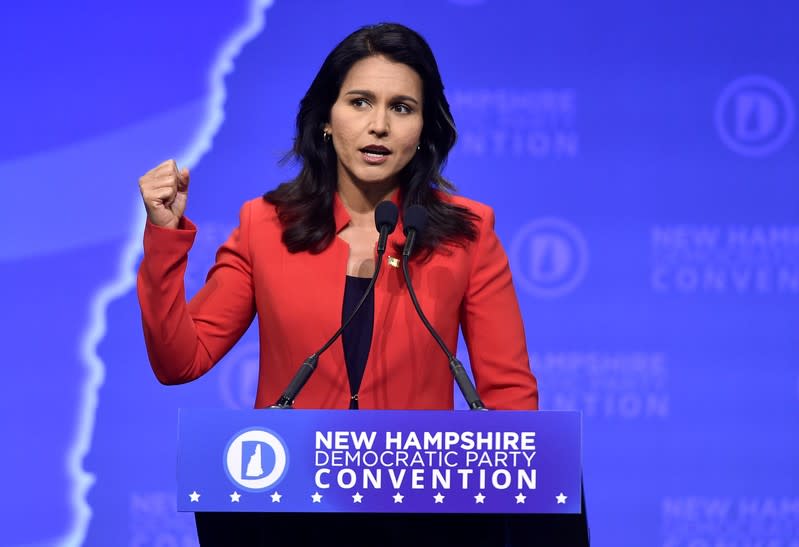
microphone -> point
(385, 221)
(415, 221)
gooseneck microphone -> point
(415, 221)
(385, 221)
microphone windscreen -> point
(386, 215)
(415, 219)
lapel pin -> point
(393, 262)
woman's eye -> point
(403, 108)
(359, 103)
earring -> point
(418, 147)
(325, 135)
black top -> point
(357, 337)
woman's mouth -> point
(375, 155)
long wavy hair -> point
(305, 204)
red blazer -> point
(298, 299)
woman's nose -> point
(379, 122)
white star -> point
(561, 498)
(316, 497)
(194, 496)
(479, 498)
(520, 498)
(357, 497)
(398, 498)
(234, 497)
(276, 497)
(439, 498)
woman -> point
(373, 126)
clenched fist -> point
(164, 190)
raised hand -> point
(164, 190)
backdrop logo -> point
(255, 459)
(738, 259)
(690, 521)
(550, 257)
(516, 123)
(154, 521)
(615, 385)
(238, 378)
(754, 116)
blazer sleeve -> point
(492, 327)
(184, 340)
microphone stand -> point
(465, 385)
(455, 366)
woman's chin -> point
(373, 181)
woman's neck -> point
(362, 199)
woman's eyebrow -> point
(370, 95)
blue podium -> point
(374, 461)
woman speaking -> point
(374, 126)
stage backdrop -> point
(642, 158)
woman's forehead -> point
(378, 74)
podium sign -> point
(379, 461)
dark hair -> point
(305, 204)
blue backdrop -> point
(642, 159)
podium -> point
(297, 463)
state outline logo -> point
(232, 460)
(555, 260)
(754, 115)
